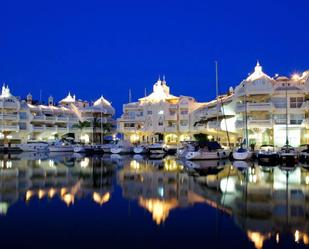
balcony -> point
(37, 128)
(184, 117)
(254, 123)
(213, 112)
(184, 128)
(251, 107)
(171, 117)
(9, 128)
(213, 125)
(39, 118)
(12, 117)
(62, 119)
(171, 128)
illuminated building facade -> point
(159, 116)
(22, 120)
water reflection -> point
(266, 203)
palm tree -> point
(81, 125)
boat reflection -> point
(64, 177)
(266, 202)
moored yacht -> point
(242, 154)
(140, 149)
(60, 146)
(186, 147)
(34, 146)
(208, 151)
(122, 147)
(288, 155)
(268, 154)
(83, 148)
(304, 153)
(157, 148)
(107, 147)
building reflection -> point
(63, 176)
(159, 186)
(264, 202)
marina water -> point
(57, 200)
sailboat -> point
(209, 150)
(243, 153)
(288, 155)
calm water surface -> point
(57, 200)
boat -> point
(140, 149)
(242, 154)
(83, 149)
(187, 146)
(208, 151)
(288, 155)
(122, 147)
(157, 148)
(107, 147)
(60, 146)
(268, 154)
(304, 154)
(34, 146)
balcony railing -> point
(254, 123)
(9, 128)
(13, 117)
(262, 106)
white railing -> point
(171, 128)
(9, 117)
(262, 106)
(9, 127)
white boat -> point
(140, 149)
(288, 155)
(83, 149)
(122, 147)
(242, 154)
(304, 153)
(61, 147)
(157, 148)
(107, 147)
(268, 154)
(187, 147)
(34, 146)
(208, 151)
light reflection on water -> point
(265, 203)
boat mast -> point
(217, 97)
(246, 117)
(286, 118)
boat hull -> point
(208, 155)
(242, 156)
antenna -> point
(217, 97)
(130, 96)
(40, 96)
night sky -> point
(106, 47)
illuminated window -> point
(161, 112)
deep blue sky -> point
(93, 47)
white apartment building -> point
(158, 116)
(277, 109)
(22, 120)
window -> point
(296, 118)
(129, 125)
(149, 112)
(279, 102)
(184, 112)
(183, 123)
(296, 102)
(280, 118)
(172, 112)
(161, 112)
